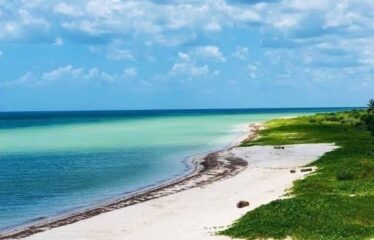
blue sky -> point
(143, 54)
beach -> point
(199, 205)
(186, 120)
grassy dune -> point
(337, 202)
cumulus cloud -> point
(26, 79)
(191, 69)
(306, 37)
(210, 52)
(194, 63)
(321, 41)
(67, 10)
(67, 71)
(130, 72)
(71, 74)
(213, 26)
(121, 18)
(116, 51)
(241, 53)
(252, 70)
(186, 66)
(20, 20)
(119, 54)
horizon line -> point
(177, 109)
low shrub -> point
(344, 176)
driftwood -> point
(306, 169)
(242, 204)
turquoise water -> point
(55, 162)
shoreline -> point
(205, 169)
(201, 212)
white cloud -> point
(322, 40)
(134, 17)
(184, 56)
(209, 52)
(67, 9)
(67, 71)
(26, 79)
(241, 53)
(156, 22)
(94, 49)
(288, 21)
(294, 30)
(1, 53)
(20, 21)
(212, 52)
(191, 63)
(9, 30)
(186, 65)
(59, 41)
(117, 52)
(130, 72)
(213, 26)
(26, 18)
(252, 70)
(300, 5)
(191, 69)
(72, 75)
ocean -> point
(55, 162)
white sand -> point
(197, 213)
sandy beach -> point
(199, 212)
(186, 120)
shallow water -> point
(59, 161)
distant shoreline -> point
(206, 168)
(177, 110)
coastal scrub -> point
(336, 202)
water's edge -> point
(194, 168)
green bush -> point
(344, 175)
(368, 120)
(332, 118)
(371, 106)
(312, 120)
(336, 202)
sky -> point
(176, 54)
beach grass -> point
(336, 202)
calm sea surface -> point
(53, 162)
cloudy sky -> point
(156, 54)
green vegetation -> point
(371, 105)
(337, 202)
